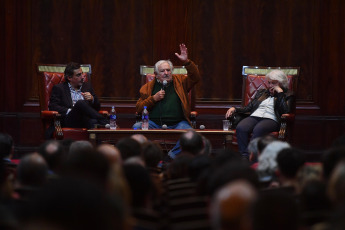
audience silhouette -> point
(75, 185)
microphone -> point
(165, 83)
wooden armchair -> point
(50, 75)
(147, 75)
(254, 80)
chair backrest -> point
(147, 74)
(254, 79)
(52, 74)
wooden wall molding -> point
(117, 36)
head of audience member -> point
(198, 165)
(220, 158)
(336, 185)
(274, 210)
(128, 148)
(90, 165)
(253, 149)
(278, 77)
(179, 167)
(199, 172)
(267, 161)
(66, 143)
(6, 146)
(330, 159)
(72, 204)
(8, 220)
(336, 221)
(53, 153)
(32, 171)
(140, 184)
(152, 154)
(80, 146)
(290, 161)
(225, 156)
(117, 182)
(191, 142)
(314, 203)
(163, 71)
(232, 171)
(111, 153)
(264, 141)
(6, 188)
(207, 149)
(231, 204)
(314, 197)
(137, 160)
(140, 138)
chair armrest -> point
(104, 113)
(193, 115)
(46, 114)
(288, 116)
(52, 116)
(286, 120)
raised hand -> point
(184, 53)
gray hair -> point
(161, 62)
(279, 76)
(79, 146)
(267, 159)
(253, 146)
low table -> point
(217, 137)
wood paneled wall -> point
(116, 36)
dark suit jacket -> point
(61, 101)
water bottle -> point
(112, 118)
(145, 119)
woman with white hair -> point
(267, 161)
(265, 110)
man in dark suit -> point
(76, 100)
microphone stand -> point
(160, 111)
(160, 108)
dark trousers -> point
(256, 126)
(83, 115)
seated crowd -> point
(75, 185)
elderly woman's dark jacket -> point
(283, 103)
